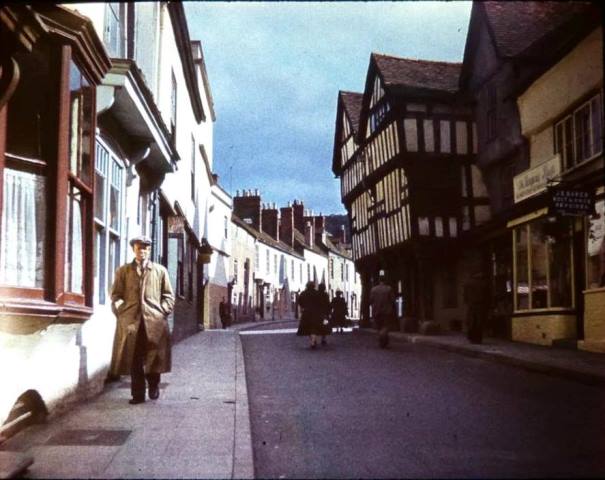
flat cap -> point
(141, 239)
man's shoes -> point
(154, 392)
(136, 401)
(323, 342)
(313, 345)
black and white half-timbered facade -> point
(405, 153)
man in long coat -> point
(382, 300)
(142, 298)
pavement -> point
(200, 426)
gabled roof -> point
(410, 77)
(417, 74)
(349, 104)
(516, 26)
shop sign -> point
(567, 201)
(176, 224)
(534, 180)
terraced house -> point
(105, 114)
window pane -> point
(79, 124)
(429, 136)
(445, 143)
(539, 258)
(461, 138)
(582, 133)
(560, 242)
(114, 208)
(22, 241)
(569, 155)
(411, 134)
(522, 287)
(74, 242)
(597, 126)
(100, 283)
(99, 196)
(114, 258)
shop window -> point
(579, 135)
(595, 248)
(543, 253)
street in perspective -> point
(302, 240)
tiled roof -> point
(424, 74)
(265, 238)
(352, 104)
(300, 239)
(518, 25)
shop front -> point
(558, 267)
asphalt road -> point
(352, 410)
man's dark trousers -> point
(137, 371)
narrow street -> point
(353, 410)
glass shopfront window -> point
(595, 248)
(543, 265)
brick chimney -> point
(299, 216)
(309, 235)
(319, 222)
(270, 221)
(286, 225)
(247, 207)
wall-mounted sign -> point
(534, 180)
(568, 201)
(176, 224)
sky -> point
(275, 69)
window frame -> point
(530, 275)
(569, 146)
(77, 305)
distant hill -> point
(334, 225)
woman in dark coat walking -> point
(339, 311)
(310, 319)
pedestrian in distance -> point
(224, 312)
(310, 323)
(382, 301)
(338, 311)
(141, 299)
(324, 312)
(476, 297)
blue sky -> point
(275, 69)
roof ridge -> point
(419, 60)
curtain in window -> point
(22, 241)
(74, 268)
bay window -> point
(543, 265)
(46, 175)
